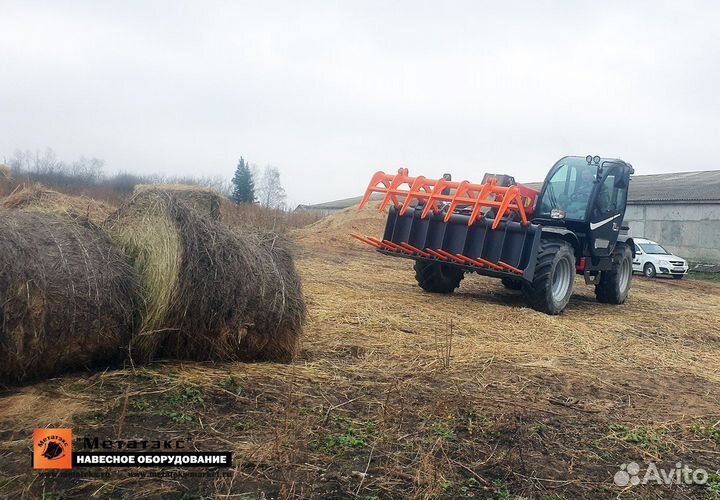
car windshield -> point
(653, 248)
(569, 189)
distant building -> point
(681, 211)
(330, 207)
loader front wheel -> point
(554, 279)
(436, 277)
(614, 285)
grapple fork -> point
(402, 190)
(446, 221)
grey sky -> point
(330, 92)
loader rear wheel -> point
(554, 278)
(512, 284)
(436, 277)
(614, 285)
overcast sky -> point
(333, 91)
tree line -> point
(248, 185)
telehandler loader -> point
(534, 241)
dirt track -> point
(389, 400)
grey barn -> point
(681, 211)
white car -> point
(652, 260)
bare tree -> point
(21, 161)
(270, 191)
(44, 162)
(90, 170)
(47, 162)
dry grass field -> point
(399, 393)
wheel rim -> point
(625, 270)
(561, 279)
(648, 271)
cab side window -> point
(610, 198)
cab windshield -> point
(569, 189)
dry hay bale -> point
(208, 293)
(66, 296)
(278, 304)
(37, 198)
(203, 200)
(334, 230)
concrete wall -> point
(691, 231)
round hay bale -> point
(37, 198)
(280, 308)
(66, 296)
(202, 199)
(208, 293)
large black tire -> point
(649, 270)
(436, 277)
(614, 285)
(512, 284)
(554, 279)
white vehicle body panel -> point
(664, 264)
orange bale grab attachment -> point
(439, 254)
(402, 190)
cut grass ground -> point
(388, 401)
